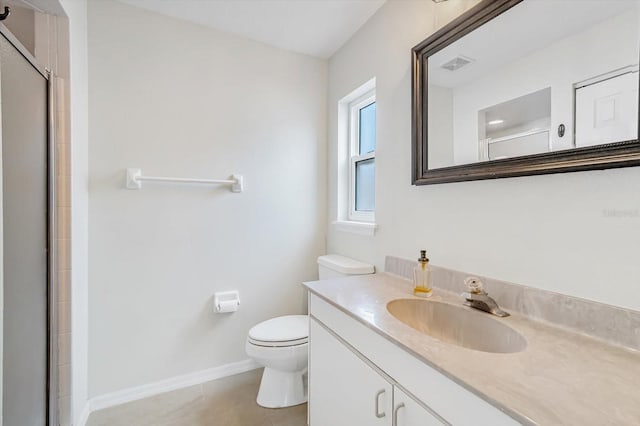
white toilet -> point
(281, 344)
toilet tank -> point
(335, 266)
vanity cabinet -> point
(357, 377)
(409, 412)
(346, 389)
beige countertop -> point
(560, 378)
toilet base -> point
(279, 389)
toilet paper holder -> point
(226, 301)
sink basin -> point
(458, 325)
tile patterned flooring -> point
(226, 402)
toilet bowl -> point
(281, 344)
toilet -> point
(281, 344)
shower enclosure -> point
(26, 266)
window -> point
(362, 157)
(356, 149)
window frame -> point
(354, 154)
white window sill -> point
(359, 228)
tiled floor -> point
(226, 402)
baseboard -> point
(84, 415)
(167, 385)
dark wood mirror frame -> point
(619, 154)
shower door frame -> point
(52, 291)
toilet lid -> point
(288, 328)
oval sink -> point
(457, 325)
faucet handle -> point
(474, 285)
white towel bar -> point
(135, 178)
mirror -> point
(522, 87)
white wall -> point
(555, 232)
(76, 11)
(177, 99)
(440, 127)
(559, 66)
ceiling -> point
(520, 111)
(312, 27)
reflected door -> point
(23, 105)
(607, 111)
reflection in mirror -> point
(543, 76)
(516, 127)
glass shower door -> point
(23, 107)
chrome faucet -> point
(477, 298)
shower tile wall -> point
(51, 51)
(58, 34)
(58, 54)
(63, 235)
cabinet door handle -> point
(378, 413)
(395, 413)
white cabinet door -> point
(607, 111)
(408, 412)
(343, 389)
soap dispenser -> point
(422, 276)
